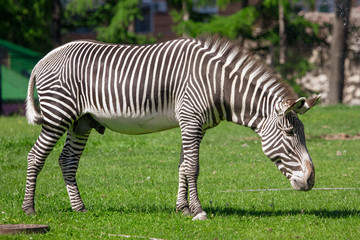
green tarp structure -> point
(18, 64)
(13, 86)
(20, 59)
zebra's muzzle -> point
(304, 180)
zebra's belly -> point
(137, 124)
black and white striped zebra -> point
(137, 89)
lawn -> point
(129, 184)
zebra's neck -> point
(245, 91)
(254, 96)
(228, 84)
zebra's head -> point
(283, 141)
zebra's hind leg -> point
(69, 163)
(36, 159)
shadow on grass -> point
(294, 212)
(227, 211)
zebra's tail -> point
(32, 115)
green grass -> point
(129, 185)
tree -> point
(270, 26)
(38, 24)
(191, 23)
(27, 23)
(338, 50)
(121, 26)
(282, 33)
(56, 22)
(113, 20)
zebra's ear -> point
(300, 105)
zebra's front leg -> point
(69, 163)
(182, 203)
(188, 175)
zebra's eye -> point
(289, 132)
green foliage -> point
(299, 32)
(124, 14)
(27, 23)
(80, 14)
(80, 7)
(295, 67)
(240, 23)
(129, 184)
(112, 20)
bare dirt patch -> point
(340, 136)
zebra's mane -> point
(232, 53)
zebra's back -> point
(127, 88)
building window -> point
(325, 5)
(145, 24)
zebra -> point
(137, 89)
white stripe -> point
(232, 100)
(242, 76)
(105, 70)
(237, 66)
(112, 79)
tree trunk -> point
(185, 16)
(338, 50)
(282, 34)
(244, 3)
(56, 22)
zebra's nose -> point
(305, 180)
(310, 174)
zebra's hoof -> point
(185, 211)
(200, 216)
(80, 209)
(29, 211)
(84, 210)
